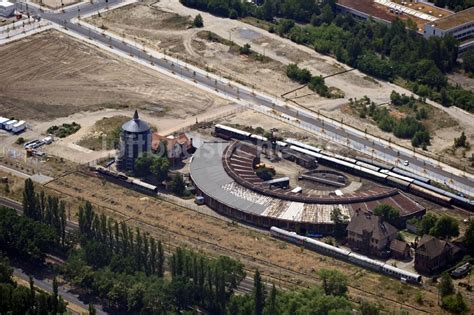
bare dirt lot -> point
(170, 33)
(51, 75)
(461, 78)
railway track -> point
(245, 286)
(298, 279)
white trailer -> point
(6, 8)
(9, 124)
(19, 126)
(3, 120)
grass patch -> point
(233, 47)
(371, 80)
(105, 134)
(64, 130)
(175, 21)
(213, 37)
(258, 23)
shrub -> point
(178, 185)
(198, 21)
(302, 76)
(454, 303)
(245, 50)
(265, 173)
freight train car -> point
(409, 174)
(430, 195)
(375, 163)
(121, 178)
(227, 133)
(300, 144)
(368, 165)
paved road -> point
(70, 225)
(47, 285)
(243, 94)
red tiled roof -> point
(156, 139)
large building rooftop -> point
(5, 4)
(455, 20)
(211, 178)
(419, 12)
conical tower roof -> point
(136, 125)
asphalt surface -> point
(47, 285)
(43, 283)
(334, 130)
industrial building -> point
(9, 124)
(370, 234)
(6, 8)
(3, 120)
(224, 174)
(19, 127)
(387, 11)
(433, 254)
(135, 139)
(459, 25)
(429, 19)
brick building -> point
(370, 234)
(433, 254)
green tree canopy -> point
(469, 237)
(445, 227)
(446, 286)
(390, 213)
(198, 21)
(177, 185)
(334, 282)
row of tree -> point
(197, 282)
(46, 209)
(438, 226)
(104, 240)
(456, 5)
(18, 300)
(120, 280)
(25, 238)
